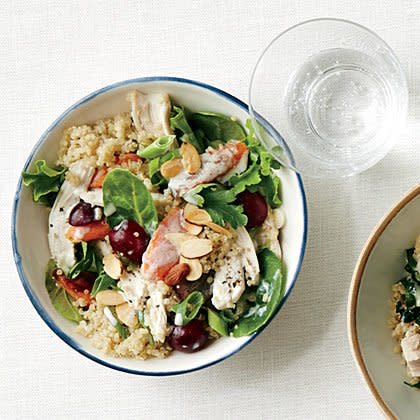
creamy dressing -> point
(214, 164)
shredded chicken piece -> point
(150, 113)
(150, 297)
(76, 183)
(240, 266)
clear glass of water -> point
(335, 94)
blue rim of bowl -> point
(34, 299)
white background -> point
(54, 52)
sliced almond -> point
(188, 209)
(126, 314)
(196, 216)
(191, 229)
(196, 269)
(112, 266)
(171, 168)
(178, 238)
(109, 297)
(190, 158)
(196, 248)
(219, 229)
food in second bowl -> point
(163, 229)
(405, 315)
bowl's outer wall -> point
(29, 224)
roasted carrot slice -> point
(90, 232)
(80, 287)
(98, 177)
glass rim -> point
(255, 116)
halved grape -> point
(189, 338)
(81, 214)
(129, 239)
(255, 207)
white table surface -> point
(53, 53)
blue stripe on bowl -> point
(34, 299)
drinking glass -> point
(335, 94)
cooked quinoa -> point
(100, 141)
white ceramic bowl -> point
(380, 265)
(29, 224)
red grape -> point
(254, 206)
(81, 214)
(129, 239)
(189, 338)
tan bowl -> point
(380, 265)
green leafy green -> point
(230, 316)
(270, 188)
(217, 126)
(59, 297)
(193, 196)
(219, 203)
(259, 175)
(411, 266)
(179, 122)
(409, 305)
(140, 316)
(417, 385)
(126, 193)
(122, 330)
(103, 282)
(217, 323)
(189, 307)
(268, 295)
(45, 182)
(251, 176)
(88, 260)
(158, 148)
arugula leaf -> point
(88, 261)
(103, 282)
(251, 176)
(417, 385)
(179, 122)
(219, 206)
(59, 297)
(218, 202)
(193, 196)
(259, 175)
(217, 126)
(129, 196)
(45, 182)
(189, 307)
(268, 295)
(270, 188)
(217, 323)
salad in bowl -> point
(164, 229)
